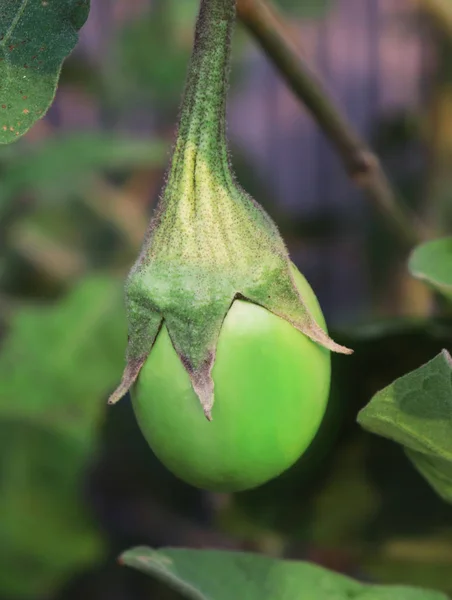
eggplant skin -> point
(271, 391)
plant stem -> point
(360, 162)
(202, 123)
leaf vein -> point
(14, 22)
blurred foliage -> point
(35, 38)
(49, 167)
(59, 360)
(159, 72)
(57, 363)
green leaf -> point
(220, 575)
(35, 38)
(431, 262)
(416, 411)
(56, 367)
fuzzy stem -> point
(202, 122)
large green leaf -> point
(432, 262)
(416, 411)
(220, 575)
(56, 366)
(35, 38)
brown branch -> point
(360, 162)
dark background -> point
(78, 484)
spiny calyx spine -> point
(209, 242)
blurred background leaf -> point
(166, 32)
(56, 365)
(52, 166)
